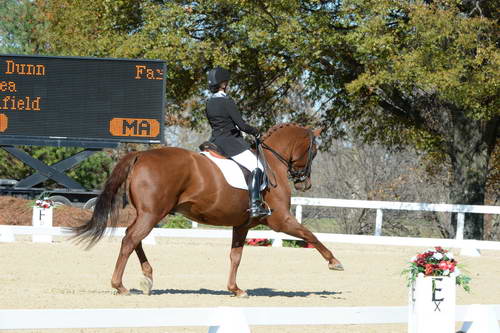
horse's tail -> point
(107, 205)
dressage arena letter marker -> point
(4, 122)
(42, 217)
(149, 128)
(432, 305)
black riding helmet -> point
(216, 76)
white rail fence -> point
(469, 246)
(7, 232)
(218, 317)
(380, 206)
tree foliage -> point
(23, 30)
(430, 79)
(20, 27)
(419, 73)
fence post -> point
(378, 222)
(298, 213)
(277, 241)
(460, 226)
(482, 318)
(6, 234)
(229, 320)
(468, 249)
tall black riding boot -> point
(257, 208)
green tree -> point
(23, 27)
(429, 77)
(405, 73)
(20, 27)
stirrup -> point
(259, 211)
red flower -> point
(428, 269)
(443, 265)
(258, 242)
(440, 249)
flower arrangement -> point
(259, 242)
(44, 203)
(436, 262)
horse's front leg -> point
(289, 225)
(239, 236)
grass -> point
(392, 227)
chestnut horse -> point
(174, 180)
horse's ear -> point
(317, 131)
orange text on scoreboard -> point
(144, 72)
(149, 128)
(4, 122)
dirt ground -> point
(193, 273)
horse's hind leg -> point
(141, 227)
(147, 270)
(239, 236)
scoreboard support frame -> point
(56, 171)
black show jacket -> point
(227, 124)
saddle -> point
(212, 149)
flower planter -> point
(432, 304)
(42, 217)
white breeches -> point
(248, 160)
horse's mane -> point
(278, 127)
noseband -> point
(297, 176)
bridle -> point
(297, 176)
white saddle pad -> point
(231, 171)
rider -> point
(227, 124)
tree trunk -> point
(470, 151)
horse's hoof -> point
(239, 294)
(336, 267)
(123, 292)
(242, 294)
(146, 285)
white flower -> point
(446, 272)
(437, 256)
(449, 255)
(457, 271)
(414, 258)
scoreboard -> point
(81, 99)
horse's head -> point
(297, 149)
(303, 154)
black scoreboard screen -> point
(70, 98)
